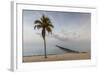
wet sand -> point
(66, 56)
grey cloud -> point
(56, 36)
(66, 36)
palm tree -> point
(45, 24)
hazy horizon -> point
(71, 30)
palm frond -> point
(45, 23)
(37, 26)
(42, 18)
(38, 22)
(49, 30)
(51, 25)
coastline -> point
(60, 57)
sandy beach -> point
(66, 56)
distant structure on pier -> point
(67, 50)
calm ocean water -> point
(40, 51)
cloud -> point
(38, 34)
(68, 36)
(60, 37)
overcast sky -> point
(71, 30)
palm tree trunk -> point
(45, 54)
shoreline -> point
(60, 57)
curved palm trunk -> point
(43, 35)
(45, 54)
